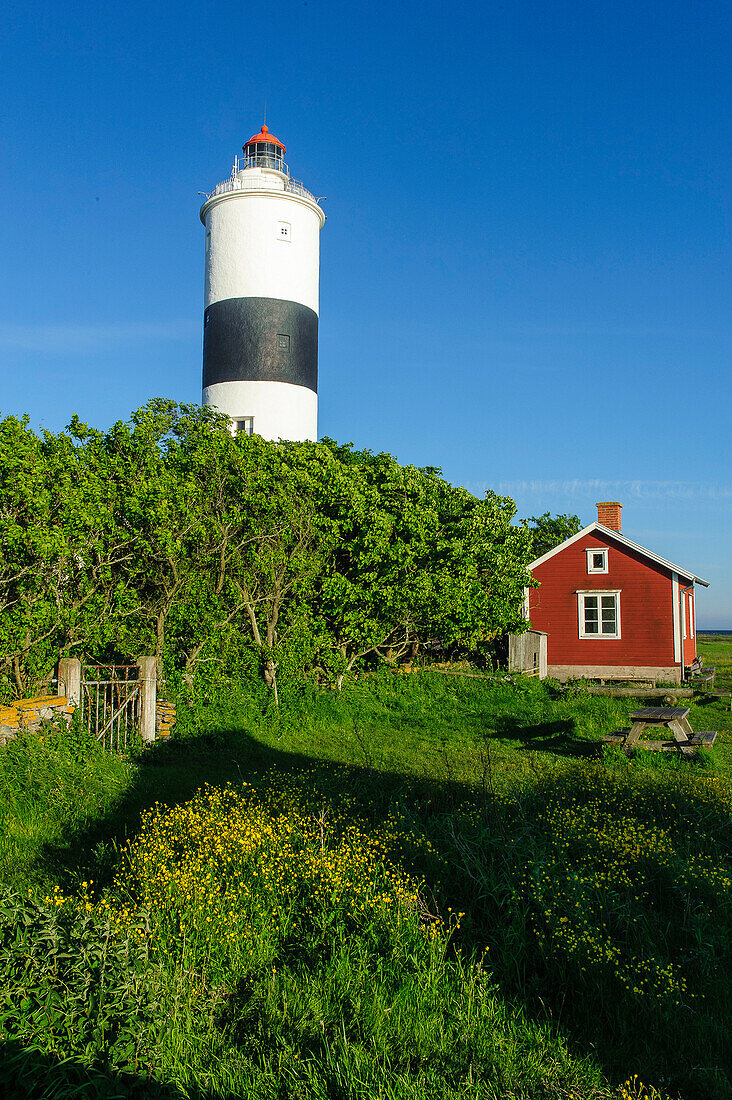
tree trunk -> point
(160, 633)
(270, 677)
(17, 676)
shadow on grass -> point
(31, 1075)
(704, 701)
(486, 845)
(171, 773)
(558, 737)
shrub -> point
(72, 984)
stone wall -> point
(28, 714)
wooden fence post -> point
(69, 674)
(148, 697)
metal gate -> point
(110, 703)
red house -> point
(611, 609)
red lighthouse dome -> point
(264, 150)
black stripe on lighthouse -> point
(260, 340)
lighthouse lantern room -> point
(260, 323)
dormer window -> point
(597, 560)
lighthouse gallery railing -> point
(235, 182)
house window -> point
(283, 341)
(599, 614)
(597, 560)
(284, 231)
(244, 426)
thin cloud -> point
(578, 488)
(86, 338)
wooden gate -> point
(109, 701)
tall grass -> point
(52, 785)
(422, 887)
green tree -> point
(548, 531)
(32, 548)
(288, 548)
(416, 559)
(166, 534)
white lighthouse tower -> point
(260, 322)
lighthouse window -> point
(245, 426)
(283, 341)
(284, 229)
(268, 152)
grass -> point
(426, 886)
(716, 649)
(52, 786)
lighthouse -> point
(260, 320)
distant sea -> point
(714, 631)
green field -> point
(716, 649)
(427, 886)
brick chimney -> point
(608, 514)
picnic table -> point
(673, 721)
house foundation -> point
(669, 674)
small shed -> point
(527, 653)
(611, 609)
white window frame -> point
(597, 550)
(599, 637)
(676, 615)
(247, 423)
(284, 231)
(691, 613)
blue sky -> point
(525, 273)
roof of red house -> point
(616, 535)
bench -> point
(705, 738)
(699, 674)
(616, 737)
